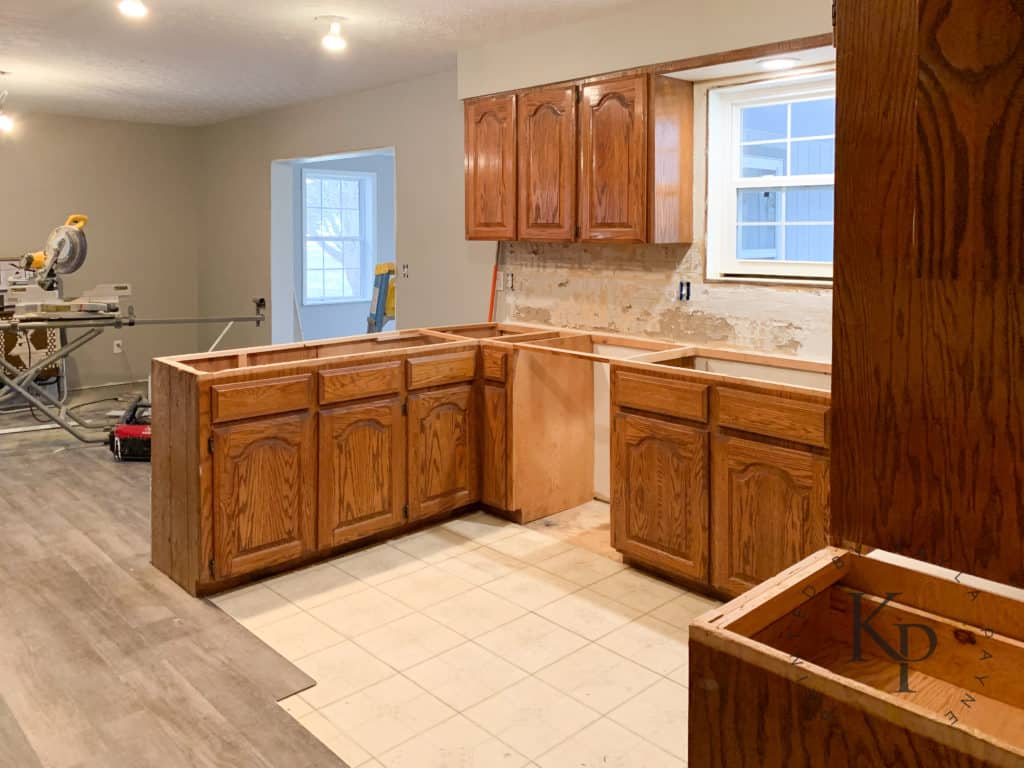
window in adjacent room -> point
(337, 236)
(771, 179)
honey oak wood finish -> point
(547, 164)
(442, 451)
(660, 494)
(490, 128)
(261, 398)
(613, 161)
(670, 155)
(929, 283)
(264, 473)
(770, 509)
(362, 471)
(435, 370)
(360, 381)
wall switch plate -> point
(118, 346)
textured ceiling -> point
(195, 62)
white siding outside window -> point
(338, 244)
(771, 179)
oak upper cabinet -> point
(613, 160)
(362, 470)
(547, 164)
(490, 167)
(443, 472)
(264, 492)
(770, 510)
(660, 494)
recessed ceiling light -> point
(6, 121)
(133, 9)
(776, 65)
(333, 41)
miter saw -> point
(36, 289)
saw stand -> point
(15, 383)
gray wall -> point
(137, 184)
(325, 321)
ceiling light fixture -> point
(333, 41)
(6, 121)
(777, 65)
(133, 9)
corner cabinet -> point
(660, 494)
(264, 505)
(547, 164)
(442, 451)
(613, 160)
(362, 471)
(490, 167)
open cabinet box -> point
(845, 659)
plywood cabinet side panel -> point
(670, 204)
(547, 164)
(613, 161)
(490, 168)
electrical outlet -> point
(510, 281)
(118, 346)
(684, 290)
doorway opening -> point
(332, 223)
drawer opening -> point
(917, 639)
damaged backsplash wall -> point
(634, 289)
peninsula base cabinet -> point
(264, 502)
(660, 494)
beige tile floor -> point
(480, 643)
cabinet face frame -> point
(364, 495)
(288, 472)
(688, 516)
(547, 144)
(450, 459)
(613, 176)
(490, 168)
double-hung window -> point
(337, 236)
(771, 179)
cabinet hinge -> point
(209, 444)
(833, 14)
(405, 511)
(577, 231)
(210, 566)
(405, 407)
(579, 94)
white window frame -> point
(724, 106)
(367, 229)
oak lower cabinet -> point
(362, 471)
(264, 492)
(769, 510)
(494, 446)
(660, 494)
(443, 449)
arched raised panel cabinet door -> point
(547, 164)
(770, 510)
(490, 125)
(264, 489)
(660, 494)
(613, 160)
(443, 472)
(362, 471)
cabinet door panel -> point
(547, 164)
(490, 125)
(613, 160)
(770, 510)
(264, 475)
(362, 471)
(442, 451)
(494, 443)
(660, 494)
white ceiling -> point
(808, 57)
(195, 62)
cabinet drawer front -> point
(360, 381)
(495, 362)
(247, 399)
(682, 399)
(435, 370)
(795, 420)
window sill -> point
(782, 282)
(333, 302)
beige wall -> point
(137, 185)
(646, 33)
(449, 279)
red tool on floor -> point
(130, 439)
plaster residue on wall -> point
(635, 290)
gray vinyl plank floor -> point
(103, 660)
